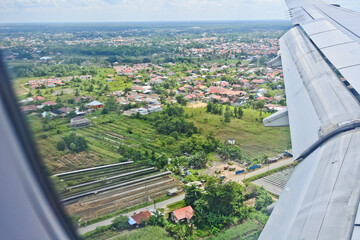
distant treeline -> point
(122, 51)
(144, 28)
(57, 70)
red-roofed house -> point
(182, 89)
(139, 217)
(182, 214)
(28, 108)
(38, 98)
(257, 81)
(49, 103)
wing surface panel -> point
(318, 102)
(320, 200)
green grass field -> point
(249, 230)
(248, 132)
(176, 205)
(108, 131)
(146, 233)
(103, 136)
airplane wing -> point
(320, 56)
(29, 206)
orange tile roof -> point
(140, 216)
(185, 212)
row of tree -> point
(219, 109)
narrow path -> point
(26, 89)
(106, 222)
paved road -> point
(265, 168)
(106, 222)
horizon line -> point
(153, 21)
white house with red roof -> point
(182, 214)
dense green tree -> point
(198, 160)
(61, 145)
(192, 194)
(227, 116)
(217, 204)
(263, 200)
(157, 219)
(240, 113)
(121, 223)
(72, 114)
(181, 100)
(75, 143)
(232, 152)
(260, 104)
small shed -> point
(172, 192)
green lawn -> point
(146, 233)
(249, 230)
(248, 132)
(176, 205)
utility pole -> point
(146, 196)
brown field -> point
(121, 198)
(196, 105)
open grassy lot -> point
(248, 132)
(146, 233)
(249, 230)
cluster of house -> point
(54, 81)
(76, 122)
(143, 110)
(139, 94)
(232, 49)
(184, 214)
(125, 70)
(194, 89)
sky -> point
(25, 11)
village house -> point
(257, 81)
(79, 122)
(272, 107)
(136, 219)
(137, 81)
(182, 214)
(38, 98)
(95, 105)
(142, 111)
(49, 103)
(56, 113)
(65, 110)
(28, 108)
(154, 108)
